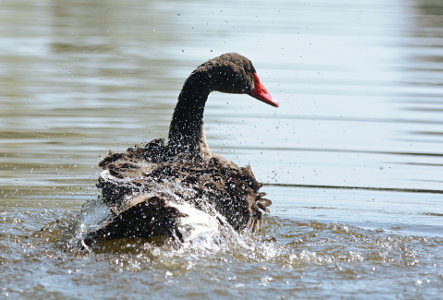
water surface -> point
(352, 159)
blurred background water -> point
(352, 159)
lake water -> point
(352, 159)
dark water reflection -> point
(352, 159)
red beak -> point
(259, 92)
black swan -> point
(145, 187)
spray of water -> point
(201, 228)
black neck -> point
(186, 129)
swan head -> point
(234, 73)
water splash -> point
(201, 228)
